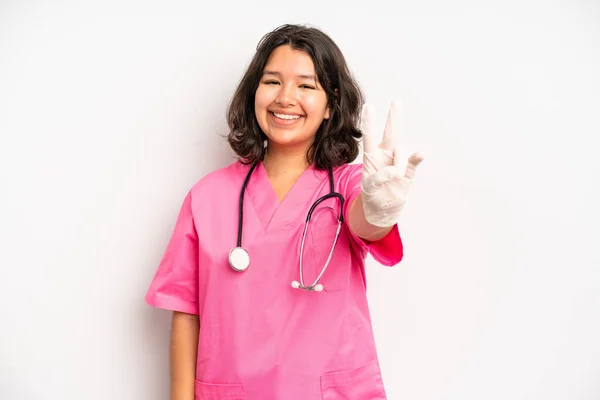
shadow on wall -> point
(156, 325)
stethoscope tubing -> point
(315, 286)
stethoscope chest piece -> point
(239, 259)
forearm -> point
(183, 355)
(360, 226)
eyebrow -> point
(311, 77)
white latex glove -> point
(386, 177)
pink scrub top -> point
(259, 338)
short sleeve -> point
(175, 283)
(388, 250)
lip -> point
(284, 122)
(284, 112)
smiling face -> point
(290, 104)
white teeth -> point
(285, 116)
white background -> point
(110, 111)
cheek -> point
(261, 102)
(314, 105)
(262, 98)
(257, 102)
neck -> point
(286, 161)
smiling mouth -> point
(287, 117)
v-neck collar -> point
(275, 214)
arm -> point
(183, 355)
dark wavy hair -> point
(336, 139)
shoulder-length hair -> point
(336, 139)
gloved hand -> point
(385, 184)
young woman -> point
(264, 272)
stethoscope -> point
(239, 259)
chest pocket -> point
(322, 229)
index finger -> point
(392, 126)
(366, 127)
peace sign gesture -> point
(384, 184)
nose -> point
(286, 96)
